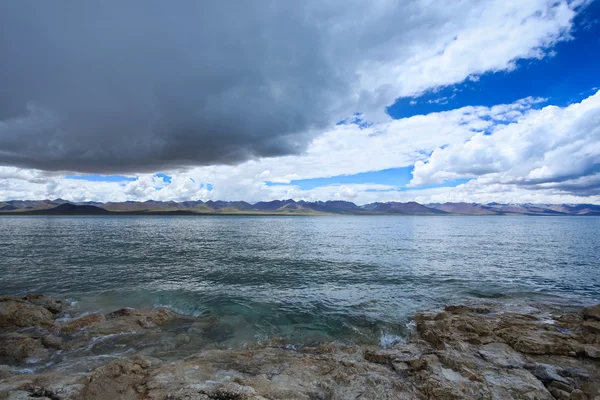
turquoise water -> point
(356, 279)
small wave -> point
(21, 371)
(99, 339)
(388, 340)
(178, 310)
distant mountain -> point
(405, 208)
(286, 207)
(464, 208)
(70, 209)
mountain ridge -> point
(286, 207)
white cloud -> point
(543, 148)
(550, 153)
(532, 155)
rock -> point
(122, 312)
(501, 355)
(53, 342)
(230, 390)
(50, 304)
(514, 384)
(543, 342)
(18, 347)
(21, 395)
(82, 323)
(17, 313)
(181, 340)
(592, 351)
(561, 386)
(121, 379)
(4, 372)
(591, 312)
(591, 326)
(577, 395)
(548, 373)
(131, 320)
(559, 394)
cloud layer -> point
(138, 87)
(515, 152)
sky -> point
(412, 100)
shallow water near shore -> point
(300, 279)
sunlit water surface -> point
(303, 279)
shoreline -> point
(484, 350)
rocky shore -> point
(483, 351)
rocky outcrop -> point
(459, 353)
(17, 313)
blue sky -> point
(567, 77)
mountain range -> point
(285, 207)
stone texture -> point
(462, 352)
(17, 313)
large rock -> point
(18, 347)
(502, 355)
(50, 304)
(591, 312)
(131, 320)
(17, 313)
(121, 379)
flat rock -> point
(501, 355)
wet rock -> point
(4, 372)
(591, 312)
(501, 355)
(592, 326)
(16, 313)
(53, 342)
(18, 347)
(131, 320)
(50, 304)
(577, 395)
(82, 323)
(181, 340)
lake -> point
(356, 279)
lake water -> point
(355, 279)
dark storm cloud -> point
(141, 86)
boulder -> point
(121, 379)
(18, 313)
(591, 312)
(592, 326)
(50, 304)
(18, 347)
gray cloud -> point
(140, 86)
